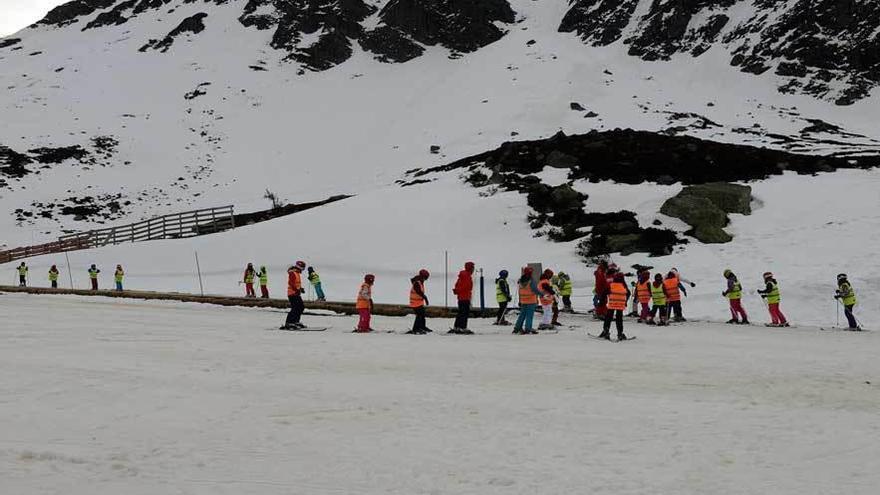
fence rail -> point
(174, 226)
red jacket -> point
(601, 286)
(464, 286)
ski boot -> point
(621, 336)
(556, 324)
(518, 331)
(733, 321)
(605, 335)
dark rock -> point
(390, 45)
(9, 42)
(598, 22)
(558, 159)
(192, 24)
(591, 115)
(705, 207)
(12, 163)
(434, 149)
(69, 12)
(577, 107)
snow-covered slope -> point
(174, 109)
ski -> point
(596, 337)
(843, 329)
(305, 329)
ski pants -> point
(555, 313)
(464, 312)
(364, 322)
(119, 286)
(646, 312)
(776, 315)
(848, 311)
(296, 309)
(737, 311)
(22, 280)
(54, 284)
(94, 284)
(675, 308)
(662, 310)
(502, 310)
(526, 316)
(547, 315)
(420, 323)
(264, 292)
(617, 316)
(249, 289)
(319, 291)
(566, 302)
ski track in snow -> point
(106, 396)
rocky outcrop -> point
(193, 24)
(825, 48)
(9, 42)
(70, 12)
(705, 208)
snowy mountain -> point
(116, 111)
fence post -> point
(446, 277)
(69, 273)
(199, 271)
(482, 294)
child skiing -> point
(418, 301)
(548, 295)
(502, 296)
(118, 275)
(733, 293)
(771, 294)
(674, 290)
(248, 279)
(22, 274)
(315, 280)
(847, 295)
(294, 295)
(658, 298)
(53, 276)
(463, 290)
(643, 295)
(528, 302)
(364, 304)
(93, 276)
(264, 282)
(565, 290)
(618, 294)
(600, 289)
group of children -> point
(93, 272)
(250, 275)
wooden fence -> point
(174, 226)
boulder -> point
(731, 198)
(558, 159)
(705, 207)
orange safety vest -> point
(672, 291)
(617, 296)
(546, 297)
(526, 295)
(644, 291)
(294, 284)
(415, 300)
(364, 296)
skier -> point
(364, 304)
(502, 295)
(418, 301)
(674, 290)
(464, 290)
(618, 294)
(548, 295)
(93, 276)
(53, 276)
(733, 293)
(771, 294)
(847, 295)
(248, 279)
(118, 276)
(659, 298)
(565, 289)
(600, 289)
(22, 274)
(264, 282)
(294, 295)
(528, 301)
(315, 280)
(643, 295)
(555, 283)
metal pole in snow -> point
(69, 273)
(446, 276)
(482, 294)
(199, 271)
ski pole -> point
(837, 303)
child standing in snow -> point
(658, 298)
(847, 295)
(528, 302)
(733, 293)
(364, 304)
(248, 279)
(315, 280)
(771, 294)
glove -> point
(837, 296)
(302, 291)
(426, 301)
(724, 294)
(693, 284)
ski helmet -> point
(503, 274)
(300, 264)
(841, 276)
(547, 273)
(768, 275)
(658, 278)
(424, 273)
(727, 273)
(528, 271)
(469, 266)
(369, 278)
(618, 277)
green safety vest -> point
(264, 278)
(847, 294)
(565, 289)
(773, 295)
(248, 277)
(93, 273)
(22, 270)
(119, 274)
(658, 295)
(314, 278)
(53, 276)
(737, 292)
(500, 296)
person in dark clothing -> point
(618, 294)
(464, 290)
(418, 301)
(502, 295)
(22, 274)
(294, 296)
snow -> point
(105, 396)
